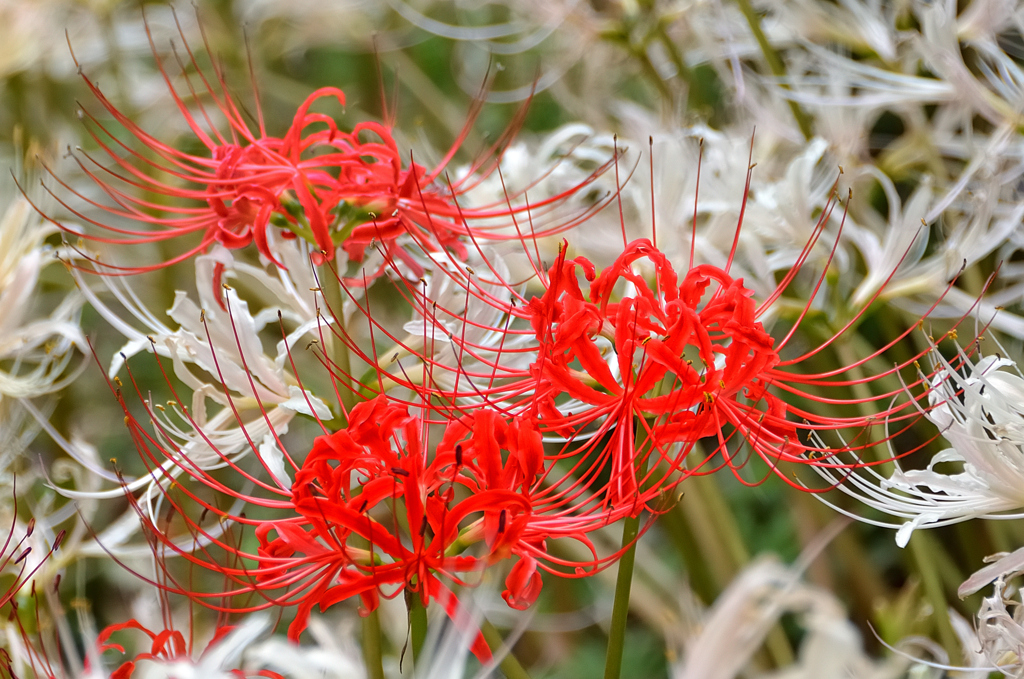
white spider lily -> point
(35, 357)
(999, 93)
(830, 79)
(790, 186)
(978, 408)
(242, 399)
(223, 342)
(459, 333)
(893, 248)
(859, 24)
(1001, 632)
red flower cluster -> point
(318, 182)
(565, 412)
(624, 379)
(681, 361)
(166, 647)
(625, 375)
(376, 511)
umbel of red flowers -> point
(337, 189)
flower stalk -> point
(417, 624)
(923, 551)
(778, 69)
(508, 663)
(620, 607)
(373, 646)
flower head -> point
(975, 402)
(171, 655)
(374, 510)
(687, 356)
(335, 189)
(342, 542)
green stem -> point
(417, 623)
(335, 299)
(682, 70)
(864, 396)
(778, 69)
(620, 609)
(372, 653)
(700, 575)
(652, 72)
(924, 553)
(509, 665)
(723, 519)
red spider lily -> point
(654, 338)
(375, 509)
(248, 182)
(15, 560)
(47, 651)
(631, 370)
(686, 360)
(330, 187)
(167, 646)
(637, 369)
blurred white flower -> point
(331, 651)
(220, 659)
(738, 623)
(39, 340)
(999, 632)
(459, 337)
(976, 218)
(38, 350)
(856, 24)
(332, 654)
